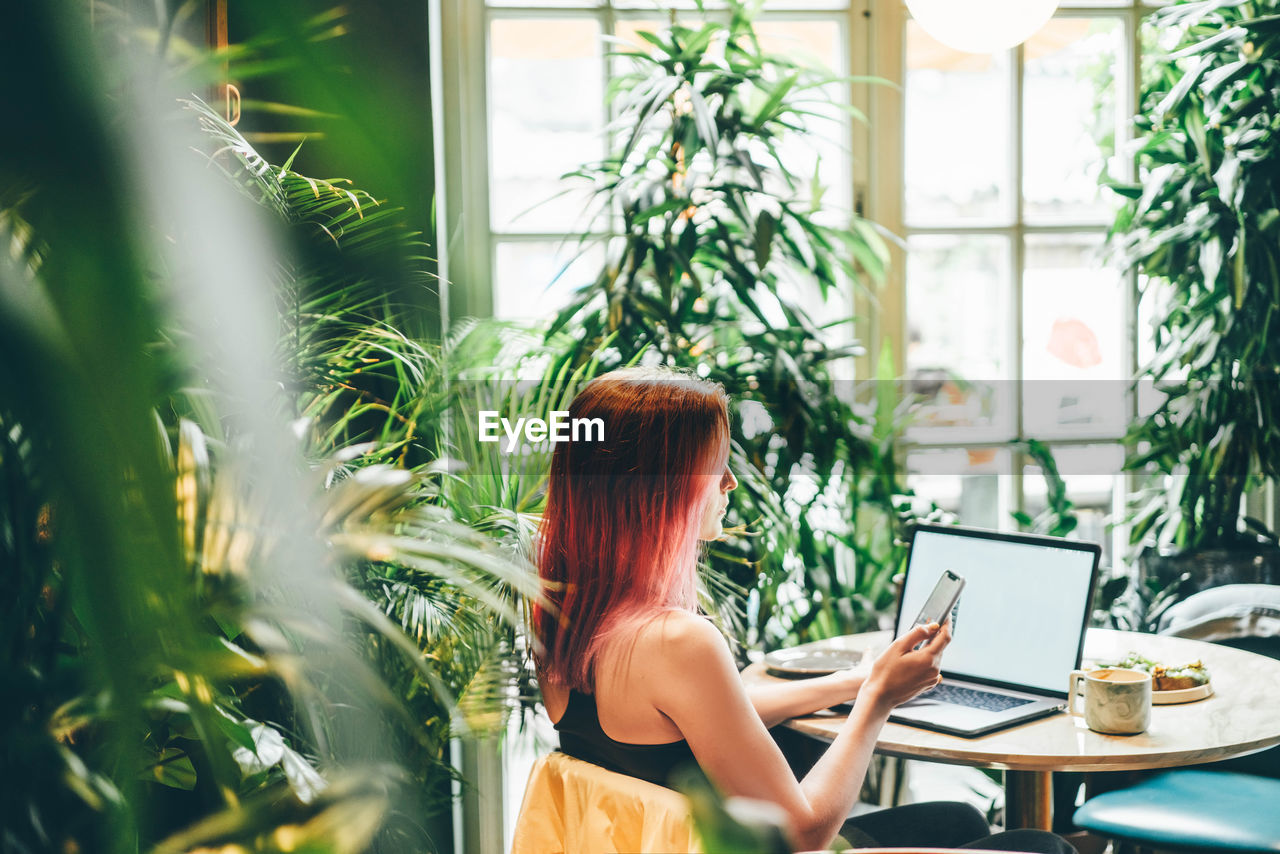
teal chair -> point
(1231, 806)
(1190, 810)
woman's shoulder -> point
(662, 655)
(679, 634)
(685, 668)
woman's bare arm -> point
(689, 676)
(776, 702)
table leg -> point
(1028, 800)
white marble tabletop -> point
(1242, 716)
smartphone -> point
(942, 601)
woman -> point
(637, 681)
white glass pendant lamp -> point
(981, 26)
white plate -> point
(1182, 695)
(798, 663)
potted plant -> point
(1202, 229)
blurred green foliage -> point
(219, 634)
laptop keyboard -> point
(974, 699)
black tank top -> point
(582, 737)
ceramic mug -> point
(1116, 701)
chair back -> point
(574, 806)
(1235, 614)
(571, 805)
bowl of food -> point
(1170, 684)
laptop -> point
(1017, 631)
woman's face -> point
(710, 527)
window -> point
(546, 67)
(546, 110)
(1014, 325)
(1002, 312)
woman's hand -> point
(901, 672)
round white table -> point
(1241, 717)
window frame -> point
(890, 325)
(849, 16)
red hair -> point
(619, 537)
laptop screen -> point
(1021, 617)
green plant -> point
(1201, 228)
(373, 397)
(1136, 606)
(722, 254)
(1058, 519)
(222, 637)
(345, 359)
